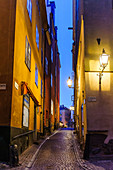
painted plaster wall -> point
(25, 28)
(98, 17)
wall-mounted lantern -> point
(69, 83)
(103, 63)
(104, 59)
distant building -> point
(52, 73)
(65, 115)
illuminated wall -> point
(21, 73)
(80, 91)
(99, 98)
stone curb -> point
(34, 156)
(83, 163)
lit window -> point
(52, 54)
(51, 106)
(26, 107)
(29, 8)
(46, 65)
(37, 37)
(36, 75)
(51, 80)
(28, 54)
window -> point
(41, 88)
(51, 80)
(26, 106)
(29, 8)
(42, 57)
(28, 54)
(51, 106)
(46, 65)
(52, 54)
(36, 75)
(55, 70)
(37, 3)
(37, 37)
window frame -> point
(26, 104)
(27, 54)
(46, 65)
(36, 75)
(29, 9)
(37, 37)
(52, 54)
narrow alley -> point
(60, 151)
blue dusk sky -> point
(63, 20)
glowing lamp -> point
(69, 82)
(71, 107)
(104, 59)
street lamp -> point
(103, 63)
(69, 83)
(104, 59)
(72, 108)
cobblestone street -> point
(60, 151)
(57, 153)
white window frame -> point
(28, 54)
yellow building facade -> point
(27, 95)
(80, 90)
(25, 75)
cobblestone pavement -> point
(60, 151)
(57, 153)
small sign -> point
(16, 85)
(92, 99)
(2, 86)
